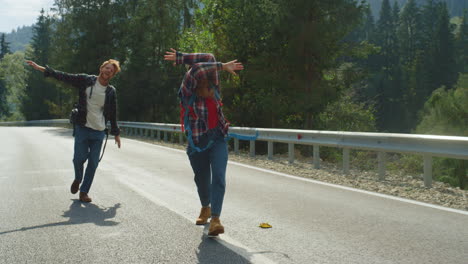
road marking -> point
(225, 240)
(49, 188)
(43, 171)
(447, 209)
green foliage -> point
(347, 115)
(446, 113)
(285, 84)
(148, 85)
(13, 77)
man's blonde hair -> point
(113, 62)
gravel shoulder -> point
(395, 183)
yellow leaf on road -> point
(265, 225)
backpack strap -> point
(104, 149)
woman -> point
(206, 128)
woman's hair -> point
(203, 88)
(113, 62)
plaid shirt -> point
(203, 65)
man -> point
(97, 104)
(206, 128)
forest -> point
(321, 65)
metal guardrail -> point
(49, 122)
(426, 145)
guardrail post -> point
(428, 171)
(133, 131)
(165, 136)
(236, 146)
(346, 161)
(316, 157)
(159, 135)
(181, 139)
(152, 134)
(381, 156)
(291, 152)
(252, 148)
(270, 150)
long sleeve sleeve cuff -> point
(220, 66)
(179, 58)
(48, 71)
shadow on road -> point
(60, 131)
(214, 250)
(80, 213)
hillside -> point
(19, 38)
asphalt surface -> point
(145, 204)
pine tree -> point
(147, 89)
(409, 32)
(4, 47)
(387, 80)
(462, 44)
(40, 101)
(444, 57)
(4, 109)
(410, 38)
(369, 24)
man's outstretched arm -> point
(73, 79)
(36, 66)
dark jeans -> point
(209, 167)
(88, 143)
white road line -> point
(328, 184)
(50, 188)
(44, 171)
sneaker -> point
(75, 186)
(205, 213)
(216, 227)
(84, 197)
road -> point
(145, 204)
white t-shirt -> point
(95, 106)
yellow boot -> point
(216, 227)
(205, 213)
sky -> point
(18, 13)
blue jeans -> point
(88, 143)
(209, 167)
